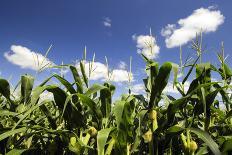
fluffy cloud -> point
(99, 71)
(120, 75)
(46, 96)
(25, 58)
(201, 20)
(169, 88)
(146, 44)
(122, 65)
(107, 22)
(138, 89)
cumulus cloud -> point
(169, 88)
(26, 58)
(107, 22)
(138, 89)
(168, 30)
(203, 20)
(46, 96)
(122, 65)
(146, 44)
(99, 71)
(121, 75)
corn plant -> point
(84, 119)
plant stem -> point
(151, 150)
(128, 149)
(110, 146)
(86, 139)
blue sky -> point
(109, 28)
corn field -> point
(85, 119)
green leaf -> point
(138, 133)
(174, 129)
(7, 113)
(223, 93)
(102, 137)
(36, 94)
(12, 132)
(228, 70)
(48, 114)
(225, 71)
(91, 104)
(60, 97)
(190, 70)
(202, 150)
(181, 102)
(28, 112)
(106, 99)
(68, 85)
(5, 88)
(229, 114)
(77, 79)
(160, 83)
(16, 151)
(227, 145)
(175, 106)
(124, 112)
(118, 111)
(84, 73)
(94, 88)
(64, 82)
(175, 72)
(146, 58)
(152, 70)
(203, 68)
(207, 139)
(27, 83)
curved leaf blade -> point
(207, 139)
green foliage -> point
(83, 118)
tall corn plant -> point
(84, 119)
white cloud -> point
(25, 58)
(180, 75)
(120, 75)
(138, 89)
(46, 96)
(203, 19)
(122, 65)
(213, 7)
(169, 88)
(107, 22)
(146, 44)
(16, 94)
(64, 71)
(99, 71)
(168, 30)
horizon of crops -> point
(83, 118)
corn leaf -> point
(27, 83)
(207, 139)
(12, 132)
(102, 137)
(5, 88)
